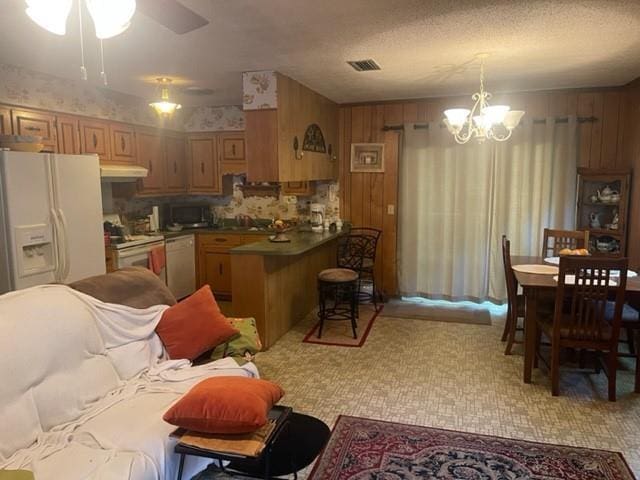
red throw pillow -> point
(225, 405)
(194, 325)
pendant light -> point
(164, 107)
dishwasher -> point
(181, 265)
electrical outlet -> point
(290, 199)
(391, 209)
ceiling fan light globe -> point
(50, 14)
(164, 108)
(512, 119)
(453, 130)
(495, 113)
(111, 17)
(457, 116)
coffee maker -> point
(316, 214)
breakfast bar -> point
(276, 282)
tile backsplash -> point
(229, 206)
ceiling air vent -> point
(364, 65)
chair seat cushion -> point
(545, 322)
(629, 314)
(337, 275)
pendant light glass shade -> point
(50, 14)
(164, 107)
(111, 17)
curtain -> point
(456, 201)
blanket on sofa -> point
(68, 360)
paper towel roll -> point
(155, 211)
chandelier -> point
(483, 121)
(164, 107)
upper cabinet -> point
(5, 121)
(202, 163)
(296, 141)
(68, 130)
(123, 143)
(175, 175)
(42, 124)
(151, 157)
(94, 138)
(231, 153)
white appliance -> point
(50, 219)
(134, 252)
(181, 265)
(317, 217)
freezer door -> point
(28, 249)
(78, 207)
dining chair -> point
(515, 302)
(630, 323)
(555, 240)
(579, 318)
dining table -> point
(535, 284)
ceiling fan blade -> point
(172, 14)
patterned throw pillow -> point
(243, 346)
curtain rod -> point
(425, 126)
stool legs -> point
(345, 304)
(354, 309)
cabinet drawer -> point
(27, 122)
(220, 241)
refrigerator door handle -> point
(57, 232)
(67, 251)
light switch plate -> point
(391, 209)
(290, 199)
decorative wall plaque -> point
(314, 140)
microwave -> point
(190, 215)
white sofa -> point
(83, 391)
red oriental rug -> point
(360, 448)
(339, 333)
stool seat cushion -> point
(337, 275)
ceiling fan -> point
(172, 14)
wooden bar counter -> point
(275, 283)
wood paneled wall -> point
(366, 197)
(631, 155)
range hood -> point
(122, 173)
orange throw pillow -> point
(194, 325)
(225, 405)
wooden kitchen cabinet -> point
(94, 138)
(298, 188)
(42, 124)
(174, 152)
(68, 134)
(231, 153)
(5, 121)
(150, 156)
(202, 161)
(123, 143)
(271, 136)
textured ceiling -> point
(425, 47)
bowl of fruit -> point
(279, 227)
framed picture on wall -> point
(367, 157)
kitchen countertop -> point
(221, 231)
(300, 243)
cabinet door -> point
(29, 122)
(231, 153)
(151, 157)
(94, 138)
(68, 134)
(176, 180)
(215, 270)
(203, 165)
(123, 143)
(298, 188)
(5, 121)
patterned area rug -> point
(339, 333)
(360, 448)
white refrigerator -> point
(50, 219)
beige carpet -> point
(454, 376)
(437, 311)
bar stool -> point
(342, 284)
(365, 243)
